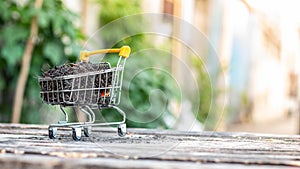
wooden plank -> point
(28, 146)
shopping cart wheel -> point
(52, 132)
(87, 131)
(76, 133)
(122, 130)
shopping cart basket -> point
(87, 91)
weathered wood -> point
(28, 146)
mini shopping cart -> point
(87, 92)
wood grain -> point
(28, 146)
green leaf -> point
(12, 54)
(5, 11)
(43, 19)
(27, 14)
(70, 31)
(36, 61)
(57, 25)
(53, 51)
(14, 33)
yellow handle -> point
(124, 51)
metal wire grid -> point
(100, 88)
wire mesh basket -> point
(96, 86)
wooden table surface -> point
(28, 146)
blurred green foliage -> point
(58, 42)
(204, 113)
(146, 97)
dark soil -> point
(89, 85)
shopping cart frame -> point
(107, 96)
